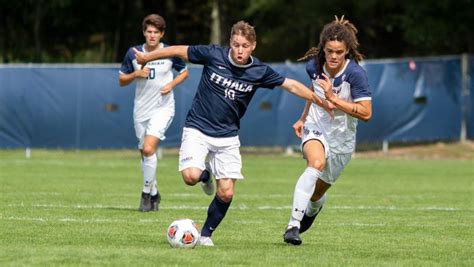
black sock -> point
(205, 175)
(215, 213)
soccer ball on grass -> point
(183, 233)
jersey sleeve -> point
(178, 64)
(271, 78)
(311, 69)
(200, 54)
(360, 89)
(127, 63)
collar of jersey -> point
(340, 72)
(160, 45)
(237, 65)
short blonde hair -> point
(244, 29)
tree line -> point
(73, 31)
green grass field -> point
(80, 208)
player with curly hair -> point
(328, 139)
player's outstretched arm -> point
(180, 51)
(302, 91)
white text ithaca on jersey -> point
(234, 85)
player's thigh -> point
(314, 146)
(140, 132)
(159, 123)
(227, 162)
(314, 153)
(193, 150)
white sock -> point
(303, 191)
(154, 188)
(149, 171)
(314, 207)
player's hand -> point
(326, 85)
(142, 73)
(298, 128)
(140, 57)
(166, 89)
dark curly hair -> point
(337, 30)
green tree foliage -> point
(387, 28)
(89, 31)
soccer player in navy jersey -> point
(229, 80)
(328, 140)
(154, 102)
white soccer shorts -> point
(155, 126)
(223, 154)
(335, 163)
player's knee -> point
(190, 177)
(226, 195)
(148, 150)
(317, 164)
(189, 180)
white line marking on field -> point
(75, 220)
(239, 207)
(398, 208)
(99, 206)
(361, 224)
(24, 219)
(242, 222)
(274, 207)
(100, 220)
(198, 194)
(370, 208)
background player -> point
(154, 102)
(328, 142)
(229, 80)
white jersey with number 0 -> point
(148, 95)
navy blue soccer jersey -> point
(225, 89)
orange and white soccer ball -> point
(183, 233)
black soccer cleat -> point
(155, 202)
(145, 202)
(292, 236)
(307, 221)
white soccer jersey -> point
(148, 95)
(351, 85)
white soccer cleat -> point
(208, 187)
(206, 241)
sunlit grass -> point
(80, 208)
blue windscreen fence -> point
(83, 106)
